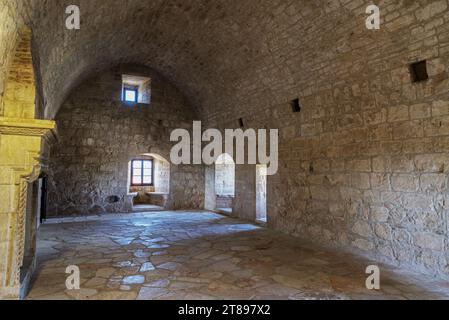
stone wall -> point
(364, 165)
(11, 24)
(162, 176)
(97, 137)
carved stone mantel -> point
(20, 148)
(25, 127)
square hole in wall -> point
(136, 89)
(296, 107)
(418, 71)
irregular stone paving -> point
(201, 255)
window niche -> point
(148, 181)
(418, 71)
(296, 107)
(136, 89)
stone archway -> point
(20, 164)
(225, 175)
(152, 197)
(220, 184)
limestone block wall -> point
(162, 176)
(244, 204)
(98, 135)
(364, 165)
(187, 187)
(11, 23)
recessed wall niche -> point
(296, 107)
(418, 71)
(136, 89)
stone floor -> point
(201, 255)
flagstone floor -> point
(201, 255)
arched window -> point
(225, 176)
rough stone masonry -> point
(363, 166)
(98, 135)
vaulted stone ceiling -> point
(226, 56)
(199, 45)
(214, 51)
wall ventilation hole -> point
(241, 124)
(295, 105)
(112, 199)
(311, 169)
(418, 71)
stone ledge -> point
(157, 193)
(25, 127)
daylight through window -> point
(142, 173)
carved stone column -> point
(20, 145)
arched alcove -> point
(148, 182)
(224, 182)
